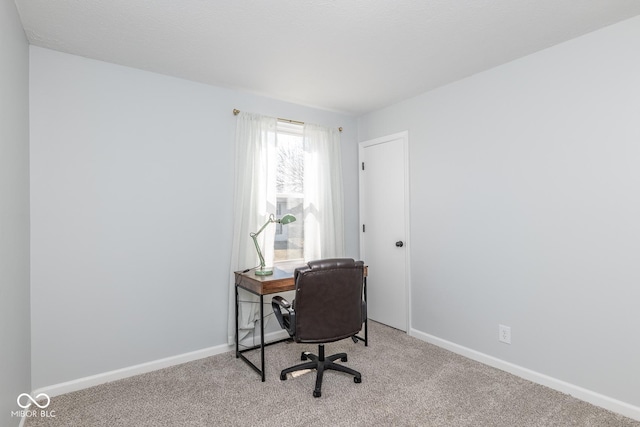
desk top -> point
(280, 281)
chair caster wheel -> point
(357, 380)
(303, 356)
(283, 377)
(316, 393)
(343, 359)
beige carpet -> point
(405, 382)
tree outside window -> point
(289, 239)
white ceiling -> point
(351, 56)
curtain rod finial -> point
(236, 112)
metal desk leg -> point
(237, 344)
(262, 335)
(366, 320)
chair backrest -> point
(328, 301)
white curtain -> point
(323, 195)
(255, 200)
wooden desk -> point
(280, 281)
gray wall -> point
(15, 358)
(525, 208)
(131, 186)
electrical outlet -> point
(504, 334)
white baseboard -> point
(118, 374)
(578, 392)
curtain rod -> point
(236, 112)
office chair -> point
(328, 307)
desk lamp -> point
(288, 218)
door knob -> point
(399, 243)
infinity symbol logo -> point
(25, 406)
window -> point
(289, 239)
(281, 168)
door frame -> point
(404, 136)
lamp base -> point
(263, 272)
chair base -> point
(321, 364)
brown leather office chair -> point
(328, 306)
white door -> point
(384, 207)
